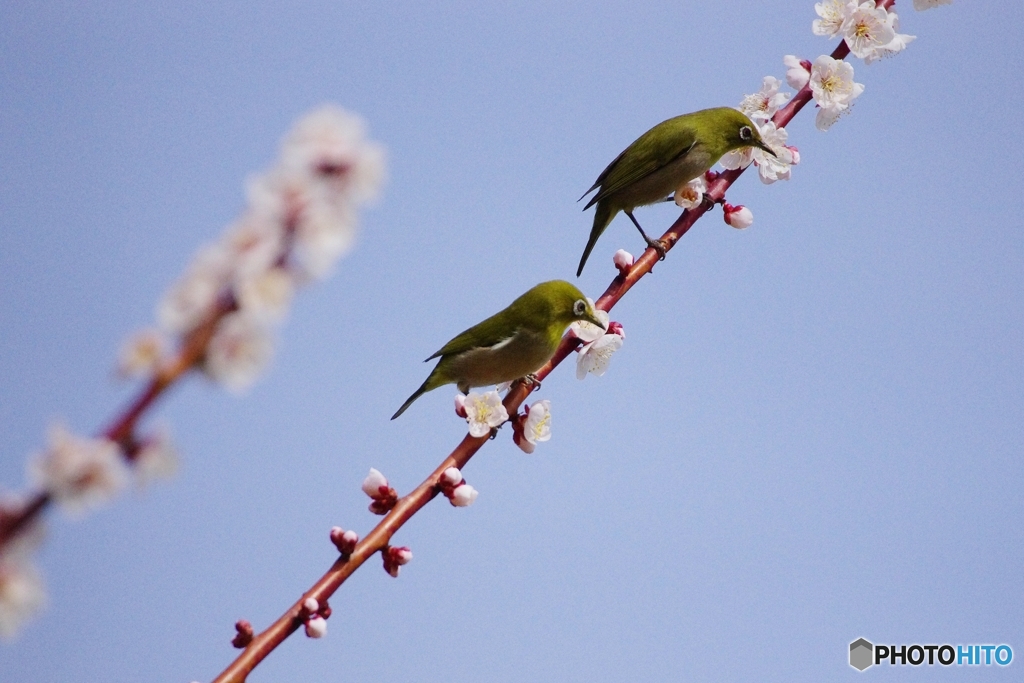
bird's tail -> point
(603, 215)
(438, 377)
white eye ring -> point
(580, 307)
(746, 133)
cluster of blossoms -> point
(599, 344)
(871, 33)
(299, 219)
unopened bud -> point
(375, 484)
(616, 328)
(244, 634)
(798, 71)
(795, 154)
(623, 260)
(738, 216)
(460, 405)
(451, 477)
(310, 606)
(394, 558)
(463, 496)
(316, 627)
(344, 541)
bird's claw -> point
(531, 382)
(658, 246)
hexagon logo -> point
(862, 654)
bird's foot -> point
(531, 382)
(710, 202)
(658, 246)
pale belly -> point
(525, 353)
(663, 182)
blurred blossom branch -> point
(771, 112)
(299, 219)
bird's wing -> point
(652, 151)
(487, 334)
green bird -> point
(661, 160)
(510, 344)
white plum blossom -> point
(267, 295)
(762, 105)
(595, 356)
(239, 351)
(588, 331)
(921, 5)
(331, 143)
(157, 458)
(484, 412)
(771, 168)
(463, 496)
(256, 241)
(739, 217)
(22, 593)
(79, 472)
(737, 158)
(191, 297)
(895, 46)
(689, 195)
(866, 29)
(141, 354)
(798, 71)
(536, 426)
(833, 89)
(833, 13)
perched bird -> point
(661, 160)
(511, 343)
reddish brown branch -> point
(122, 429)
(264, 643)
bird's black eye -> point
(580, 307)
(746, 133)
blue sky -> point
(813, 432)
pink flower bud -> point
(798, 71)
(710, 176)
(623, 260)
(451, 477)
(738, 216)
(616, 328)
(795, 153)
(310, 605)
(395, 557)
(460, 405)
(463, 496)
(375, 485)
(244, 634)
(316, 627)
(344, 541)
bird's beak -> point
(760, 145)
(591, 318)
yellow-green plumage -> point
(511, 343)
(664, 158)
